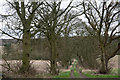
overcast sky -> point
(63, 5)
(3, 10)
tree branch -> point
(10, 35)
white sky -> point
(2, 11)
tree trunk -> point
(53, 58)
(80, 62)
(104, 65)
(26, 51)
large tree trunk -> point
(53, 60)
(104, 65)
(26, 51)
(104, 60)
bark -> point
(104, 65)
(104, 60)
(26, 50)
(53, 60)
(52, 39)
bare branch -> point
(114, 29)
(10, 35)
(114, 53)
(88, 18)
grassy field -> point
(88, 74)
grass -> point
(63, 75)
(101, 76)
(88, 74)
(67, 75)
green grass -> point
(67, 74)
(101, 76)
(63, 75)
(89, 75)
(76, 74)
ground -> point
(42, 66)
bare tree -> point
(103, 20)
(52, 21)
(22, 15)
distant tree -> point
(69, 40)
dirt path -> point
(79, 72)
(72, 73)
